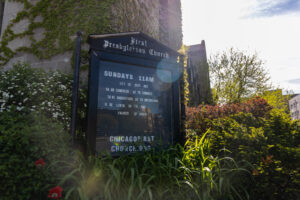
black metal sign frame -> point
(144, 52)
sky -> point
(269, 27)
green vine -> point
(57, 21)
(60, 20)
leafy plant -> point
(34, 115)
(212, 177)
(34, 90)
(277, 100)
(270, 144)
(25, 139)
(188, 172)
(237, 75)
(199, 118)
(45, 16)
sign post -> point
(75, 87)
(134, 94)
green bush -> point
(176, 173)
(25, 139)
(35, 110)
(225, 144)
(28, 90)
(280, 167)
(199, 118)
(270, 144)
(243, 141)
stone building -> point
(198, 75)
(294, 105)
(42, 33)
(1, 13)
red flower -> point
(55, 193)
(255, 172)
(40, 163)
(268, 160)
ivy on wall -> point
(58, 21)
(52, 24)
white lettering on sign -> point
(121, 148)
(131, 139)
(147, 93)
(136, 46)
(135, 41)
(148, 138)
(118, 75)
(142, 114)
(123, 113)
(143, 107)
(151, 100)
(120, 105)
(124, 98)
(124, 48)
(146, 78)
(152, 52)
(122, 91)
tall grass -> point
(188, 172)
(212, 177)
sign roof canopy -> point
(135, 44)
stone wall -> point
(141, 15)
(1, 13)
(198, 75)
(160, 19)
(170, 23)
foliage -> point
(175, 173)
(34, 90)
(280, 168)
(240, 134)
(199, 118)
(269, 141)
(52, 24)
(58, 34)
(183, 50)
(277, 100)
(209, 166)
(25, 139)
(34, 114)
(30, 131)
(237, 75)
(212, 177)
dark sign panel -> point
(133, 108)
(134, 103)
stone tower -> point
(42, 32)
(198, 75)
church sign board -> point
(134, 94)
